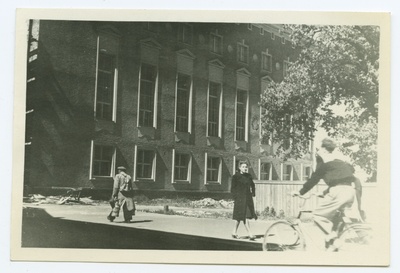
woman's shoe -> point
(252, 238)
(110, 218)
(235, 236)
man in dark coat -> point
(243, 191)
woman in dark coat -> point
(243, 191)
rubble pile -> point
(38, 199)
(226, 204)
(211, 203)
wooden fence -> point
(276, 194)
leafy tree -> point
(336, 69)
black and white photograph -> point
(196, 137)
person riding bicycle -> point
(339, 176)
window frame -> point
(183, 30)
(214, 36)
(292, 172)
(273, 172)
(269, 178)
(92, 160)
(111, 52)
(155, 96)
(219, 109)
(246, 115)
(206, 181)
(189, 167)
(153, 165)
(265, 54)
(189, 101)
(245, 51)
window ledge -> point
(144, 180)
(103, 124)
(181, 182)
(213, 183)
(183, 137)
(214, 141)
(147, 132)
(98, 177)
(240, 145)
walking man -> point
(122, 196)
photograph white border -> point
(223, 16)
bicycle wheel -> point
(282, 236)
(355, 238)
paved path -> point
(199, 227)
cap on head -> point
(121, 168)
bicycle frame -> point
(284, 235)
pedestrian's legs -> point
(337, 198)
(247, 226)
(235, 228)
(127, 213)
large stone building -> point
(176, 103)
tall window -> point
(265, 171)
(241, 114)
(289, 173)
(213, 169)
(268, 171)
(105, 85)
(185, 34)
(266, 61)
(242, 53)
(148, 77)
(184, 83)
(145, 163)
(214, 100)
(216, 43)
(181, 168)
(103, 158)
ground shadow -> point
(41, 230)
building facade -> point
(175, 103)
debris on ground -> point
(38, 199)
(226, 204)
(211, 203)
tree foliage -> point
(332, 84)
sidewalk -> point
(192, 226)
